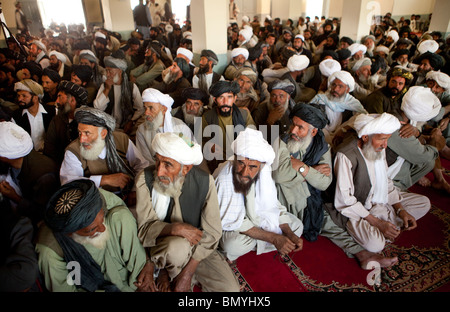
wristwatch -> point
(302, 168)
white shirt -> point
(71, 168)
(37, 127)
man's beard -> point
(225, 113)
(363, 80)
(55, 67)
(334, 97)
(98, 241)
(95, 150)
(370, 153)
(272, 106)
(297, 144)
(148, 61)
(24, 105)
(154, 124)
(189, 117)
(170, 77)
(242, 186)
(394, 91)
(203, 69)
(172, 189)
(64, 109)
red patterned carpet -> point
(424, 261)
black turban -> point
(34, 68)
(224, 86)
(284, 85)
(254, 53)
(434, 59)
(53, 75)
(309, 114)
(347, 40)
(400, 52)
(331, 53)
(84, 72)
(210, 55)
(343, 54)
(195, 94)
(75, 90)
(184, 66)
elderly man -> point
(58, 63)
(388, 99)
(151, 69)
(50, 80)
(248, 97)
(178, 218)
(28, 177)
(100, 154)
(275, 111)
(90, 235)
(158, 119)
(204, 77)
(314, 78)
(196, 102)
(225, 120)
(252, 217)
(38, 52)
(357, 51)
(361, 72)
(175, 81)
(239, 59)
(32, 116)
(336, 102)
(377, 211)
(63, 128)
(118, 96)
(297, 64)
(303, 167)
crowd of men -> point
(127, 167)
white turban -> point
(329, 66)
(99, 34)
(300, 36)
(186, 53)
(178, 148)
(239, 51)
(15, 142)
(343, 76)
(394, 35)
(40, 45)
(246, 33)
(420, 104)
(428, 46)
(367, 124)
(59, 56)
(442, 79)
(187, 35)
(362, 62)
(297, 62)
(156, 96)
(251, 144)
(355, 47)
(30, 86)
(382, 48)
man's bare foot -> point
(424, 181)
(163, 281)
(441, 185)
(364, 257)
(445, 152)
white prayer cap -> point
(15, 142)
(156, 96)
(420, 104)
(169, 28)
(442, 79)
(300, 36)
(99, 34)
(186, 52)
(40, 45)
(394, 35)
(245, 19)
(428, 46)
(329, 66)
(355, 47)
(178, 148)
(30, 86)
(343, 76)
(362, 62)
(239, 51)
(382, 48)
(59, 56)
(187, 35)
(367, 124)
(251, 144)
(297, 62)
(89, 55)
(246, 33)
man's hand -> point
(324, 169)
(275, 115)
(7, 190)
(407, 130)
(144, 281)
(389, 230)
(409, 222)
(191, 233)
(437, 139)
(116, 180)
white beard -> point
(173, 189)
(169, 77)
(300, 145)
(370, 153)
(334, 98)
(155, 123)
(189, 119)
(98, 241)
(95, 150)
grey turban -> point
(284, 85)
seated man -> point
(239, 59)
(151, 69)
(178, 218)
(303, 168)
(196, 102)
(377, 211)
(252, 217)
(336, 102)
(100, 154)
(92, 232)
(158, 119)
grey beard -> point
(95, 150)
(155, 123)
(285, 105)
(370, 153)
(65, 109)
(189, 119)
(169, 77)
(173, 189)
(334, 98)
(299, 145)
(99, 241)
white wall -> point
(408, 7)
